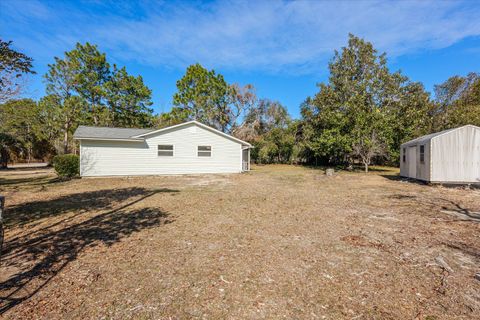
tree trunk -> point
(365, 163)
(65, 139)
(4, 155)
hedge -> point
(67, 165)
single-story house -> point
(187, 148)
(450, 156)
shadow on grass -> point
(31, 181)
(442, 205)
(456, 209)
(40, 255)
(356, 169)
(396, 177)
(73, 203)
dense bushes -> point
(67, 165)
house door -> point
(412, 162)
(245, 159)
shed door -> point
(412, 162)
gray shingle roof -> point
(108, 133)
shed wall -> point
(422, 168)
(456, 156)
(117, 158)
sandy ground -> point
(278, 242)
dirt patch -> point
(278, 242)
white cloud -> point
(291, 37)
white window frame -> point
(173, 150)
(204, 151)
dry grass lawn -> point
(278, 242)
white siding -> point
(456, 156)
(117, 158)
(422, 171)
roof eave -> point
(110, 139)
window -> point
(204, 151)
(422, 154)
(165, 150)
(404, 154)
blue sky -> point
(281, 47)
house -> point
(186, 148)
(450, 156)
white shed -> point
(450, 156)
(187, 148)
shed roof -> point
(430, 136)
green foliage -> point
(203, 95)
(457, 102)
(269, 128)
(112, 96)
(67, 165)
(82, 88)
(128, 100)
(362, 114)
(354, 116)
(8, 146)
(13, 65)
(20, 119)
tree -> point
(91, 73)
(13, 66)
(411, 117)
(457, 102)
(267, 126)
(19, 120)
(82, 89)
(65, 114)
(354, 115)
(8, 145)
(203, 95)
(243, 99)
(128, 100)
(261, 118)
(63, 107)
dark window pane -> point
(204, 153)
(204, 148)
(165, 147)
(165, 153)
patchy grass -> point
(278, 242)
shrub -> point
(67, 165)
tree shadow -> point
(465, 248)
(40, 255)
(31, 181)
(29, 212)
(442, 205)
(459, 211)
